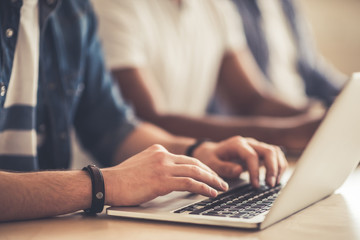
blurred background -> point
(336, 28)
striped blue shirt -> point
(18, 137)
(74, 91)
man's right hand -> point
(156, 172)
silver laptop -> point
(330, 157)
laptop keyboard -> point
(241, 202)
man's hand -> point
(231, 157)
(156, 172)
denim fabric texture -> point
(75, 89)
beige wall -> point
(336, 27)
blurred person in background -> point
(169, 56)
(281, 42)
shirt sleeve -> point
(231, 24)
(120, 34)
(103, 120)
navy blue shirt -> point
(75, 89)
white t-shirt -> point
(282, 52)
(23, 85)
(181, 46)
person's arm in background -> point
(279, 131)
(242, 85)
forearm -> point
(173, 127)
(279, 131)
(271, 105)
(43, 194)
(146, 135)
(244, 86)
(218, 127)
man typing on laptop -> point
(52, 79)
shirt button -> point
(9, 33)
(2, 90)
